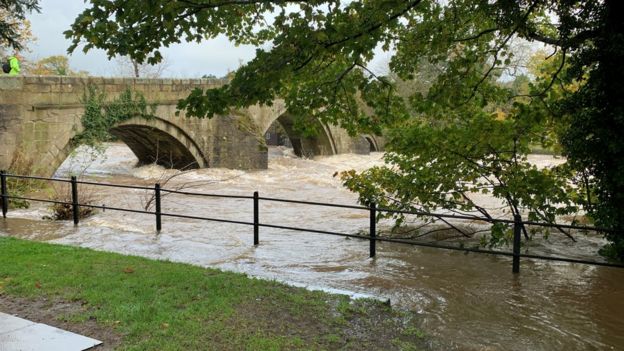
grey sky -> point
(216, 56)
(185, 60)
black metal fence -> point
(373, 238)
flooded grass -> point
(172, 306)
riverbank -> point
(141, 304)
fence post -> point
(157, 200)
(3, 187)
(256, 220)
(373, 229)
(516, 243)
(75, 207)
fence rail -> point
(373, 210)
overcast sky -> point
(188, 60)
(185, 60)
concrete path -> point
(17, 334)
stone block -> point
(182, 88)
(32, 79)
(50, 79)
(125, 81)
(70, 99)
(113, 88)
(11, 83)
(95, 81)
(37, 88)
(75, 81)
(67, 88)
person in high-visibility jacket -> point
(15, 66)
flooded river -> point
(467, 302)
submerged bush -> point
(22, 165)
(64, 211)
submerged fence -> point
(373, 238)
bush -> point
(64, 211)
(21, 165)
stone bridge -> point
(39, 116)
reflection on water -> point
(468, 302)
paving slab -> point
(17, 334)
(10, 323)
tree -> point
(314, 55)
(57, 65)
(14, 28)
(129, 67)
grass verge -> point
(156, 305)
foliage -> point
(21, 165)
(55, 65)
(314, 55)
(594, 119)
(101, 115)
(14, 27)
(441, 159)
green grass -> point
(158, 305)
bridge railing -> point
(372, 236)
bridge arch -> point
(155, 140)
(320, 143)
(373, 143)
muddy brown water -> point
(467, 302)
